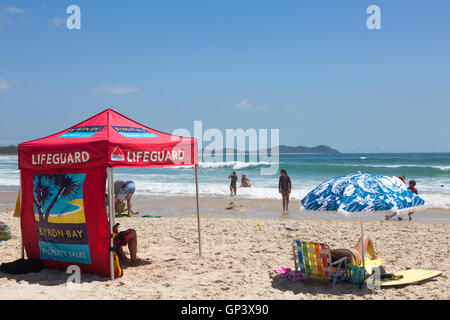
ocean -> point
(430, 170)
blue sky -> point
(309, 68)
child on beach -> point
(412, 186)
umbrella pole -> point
(198, 213)
(111, 218)
(362, 248)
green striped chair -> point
(314, 260)
(5, 232)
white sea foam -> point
(434, 199)
(234, 164)
(443, 168)
(210, 189)
(10, 182)
(165, 182)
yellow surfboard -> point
(410, 276)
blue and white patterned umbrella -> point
(362, 193)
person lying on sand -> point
(354, 254)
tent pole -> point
(20, 202)
(198, 213)
(111, 218)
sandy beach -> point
(240, 251)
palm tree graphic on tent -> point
(48, 189)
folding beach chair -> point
(314, 260)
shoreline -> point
(227, 206)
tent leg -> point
(111, 218)
(198, 213)
(21, 234)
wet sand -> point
(183, 206)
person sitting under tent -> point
(124, 190)
(123, 238)
(354, 254)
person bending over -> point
(124, 190)
(123, 238)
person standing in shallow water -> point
(234, 178)
(284, 187)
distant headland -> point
(301, 149)
(12, 150)
(8, 150)
(289, 149)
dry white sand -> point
(239, 256)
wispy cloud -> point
(4, 85)
(115, 90)
(57, 21)
(244, 104)
(7, 14)
(13, 10)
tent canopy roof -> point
(107, 139)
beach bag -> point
(22, 266)
(5, 232)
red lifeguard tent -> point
(63, 181)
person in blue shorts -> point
(124, 190)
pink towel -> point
(289, 274)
